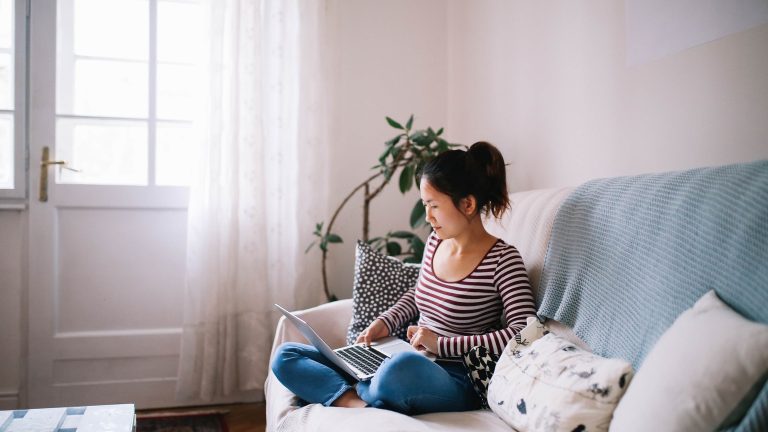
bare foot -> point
(349, 399)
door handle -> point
(44, 164)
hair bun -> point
(482, 155)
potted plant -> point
(407, 153)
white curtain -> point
(259, 189)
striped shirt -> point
(471, 311)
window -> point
(127, 86)
(12, 61)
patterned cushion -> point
(554, 385)
(379, 282)
(481, 363)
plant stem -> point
(397, 163)
(330, 225)
(366, 207)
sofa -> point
(612, 263)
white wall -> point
(390, 60)
(548, 83)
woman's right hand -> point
(375, 331)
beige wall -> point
(548, 82)
(389, 60)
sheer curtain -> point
(259, 188)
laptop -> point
(357, 360)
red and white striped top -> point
(468, 312)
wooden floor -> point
(245, 417)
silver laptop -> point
(357, 360)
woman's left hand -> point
(422, 338)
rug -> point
(182, 422)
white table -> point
(97, 418)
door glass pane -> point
(6, 151)
(175, 144)
(180, 30)
(110, 89)
(111, 29)
(6, 23)
(177, 94)
(6, 54)
(105, 152)
(6, 81)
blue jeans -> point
(408, 382)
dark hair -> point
(478, 171)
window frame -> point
(17, 196)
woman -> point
(470, 282)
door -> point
(110, 134)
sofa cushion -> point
(552, 384)
(379, 282)
(703, 365)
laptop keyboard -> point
(366, 360)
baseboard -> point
(9, 399)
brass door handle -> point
(44, 164)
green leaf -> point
(442, 145)
(402, 234)
(394, 124)
(406, 179)
(324, 245)
(417, 214)
(394, 140)
(421, 138)
(411, 259)
(310, 247)
(333, 238)
(393, 249)
(410, 123)
(385, 154)
(418, 247)
(439, 132)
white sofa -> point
(628, 256)
(527, 227)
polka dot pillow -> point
(379, 282)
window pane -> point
(6, 24)
(6, 81)
(108, 88)
(105, 152)
(111, 28)
(178, 92)
(6, 151)
(179, 31)
(174, 160)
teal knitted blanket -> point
(629, 254)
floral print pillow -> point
(551, 384)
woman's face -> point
(447, 221)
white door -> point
(107, 245)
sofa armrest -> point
(329, 320)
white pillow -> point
(697, 372)
(554, 385)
